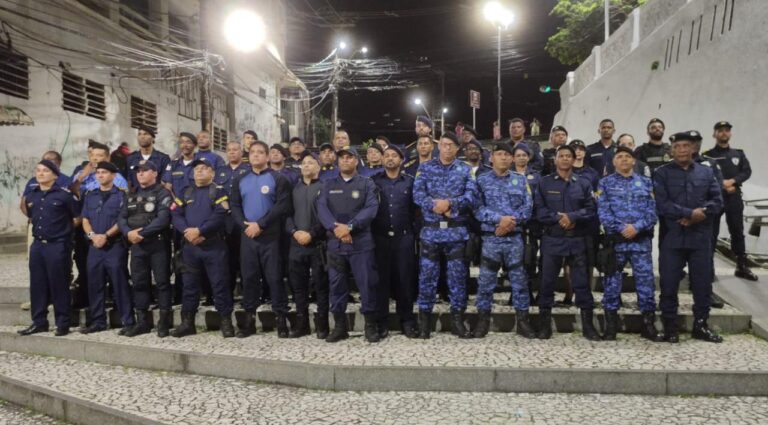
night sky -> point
(449, 37)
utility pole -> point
(498, 79)
(206, 108)
(607, 25)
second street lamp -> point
(502, 18)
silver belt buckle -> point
(391, 233)
(443, 224)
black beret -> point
(147, 129)
(106, 165)
(625, 150)
(202, 161)
(476, 143)
(281, 148)
(396, 149)
(559, 128)
(690, 135)
(377, 147)
(51, 166)
(506, 147)
(426, 120)
(722, 124)
(470, 129)
(295, 139)
(325, 146)
(309, 154)
(451, 136)
(252, 133)
(656, 120)
(189, 136)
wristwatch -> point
(351, 227)
(90, 234)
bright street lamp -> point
(342, 45)
(501, 17)
(445, 110)
(417, 101)
(244, 30)
(364, 50)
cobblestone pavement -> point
(11, 414)
(190, 399)
(14, 271)
(738, 353)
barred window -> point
(220, 139)
(14, 74)
(83, 96)
(143, 113)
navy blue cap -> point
(625, 150)
(426, 120)
(147, 165)
(281, 148)
(452, 137)
(189, 136)
(722, 124)
(47, 163)
(559, 128)
(377, 147)
(506, 148)
(348, 150)
(106, 165)
(396, 149)
(520, 146)
(310, 154)
(202, 161)
(577, 143)
(690, 135)
(325, 146)
(470, 129)
(476, 143)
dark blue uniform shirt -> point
(263, 198)
(212, 158)
(201, 207)
(598, 155)
(102, 208)
(573, 197)
(678, 192)
(226, 176)
(133, 160)
(62, 181)
(355, 203)
(397, 212)
(179, 175)
(51, 213)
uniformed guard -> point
(736, 170)
(373, 157)
(306, 259)
(198, 214)
(654, 152)
(341, 139)
(557, 137)
(425, 147)
(328, 168)
(107, 255)
(504, 206)
(627, 212)
(628, 141)
(688, 199)
(249, 136)
(277, 157)
(602, 150)
(52, 210)
(473, 156)
(178, 173)
(204, 150)
(146, 152)
(260, 201)
(565, 207)
(296, 148)
(226, 177)
(393, 231)
(346, 207)
(62, 180)
(446, 193)
(144, 221)
(517, 136)
(531, 231)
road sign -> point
(474, 99)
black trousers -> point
(307, 272)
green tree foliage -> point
(582, 27)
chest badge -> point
(514, 182)
(638, 184)
(265, 189)
(149, 206)
(355, 194)
(735, 161)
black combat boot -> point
(701, 331)
(125, 328)
(248, 327)
(425, 324)
(282, 326)
(545, 324)
(742, 269)
(457, 325)
(524, 328)
(382, 326)
(227, 329)
(483, 324)
(648, 330)
(670, 330)
(410, 330)
(164, 323)
(143, 324)
(340, 327)
(187, 326)
(321, 325)
(371, 329)
(611, 325)
(587, 326)
(302, 325)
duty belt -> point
(444, 224)
(40, 239)
(508, 235)
(559, 232)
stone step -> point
(566, 319)
(14, 294)
(91, 393)
(500, 362)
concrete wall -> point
(722, 78)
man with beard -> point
(425, 146)
(600, 153)
(146, 152)
(654, 152)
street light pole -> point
(607, 25)
(498, 81)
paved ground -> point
(14, 271)
(11, 414)
(739, 352)
(174, 398)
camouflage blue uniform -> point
(622, 201)
(441, 236)
(507, 195)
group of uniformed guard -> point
(399, 228)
